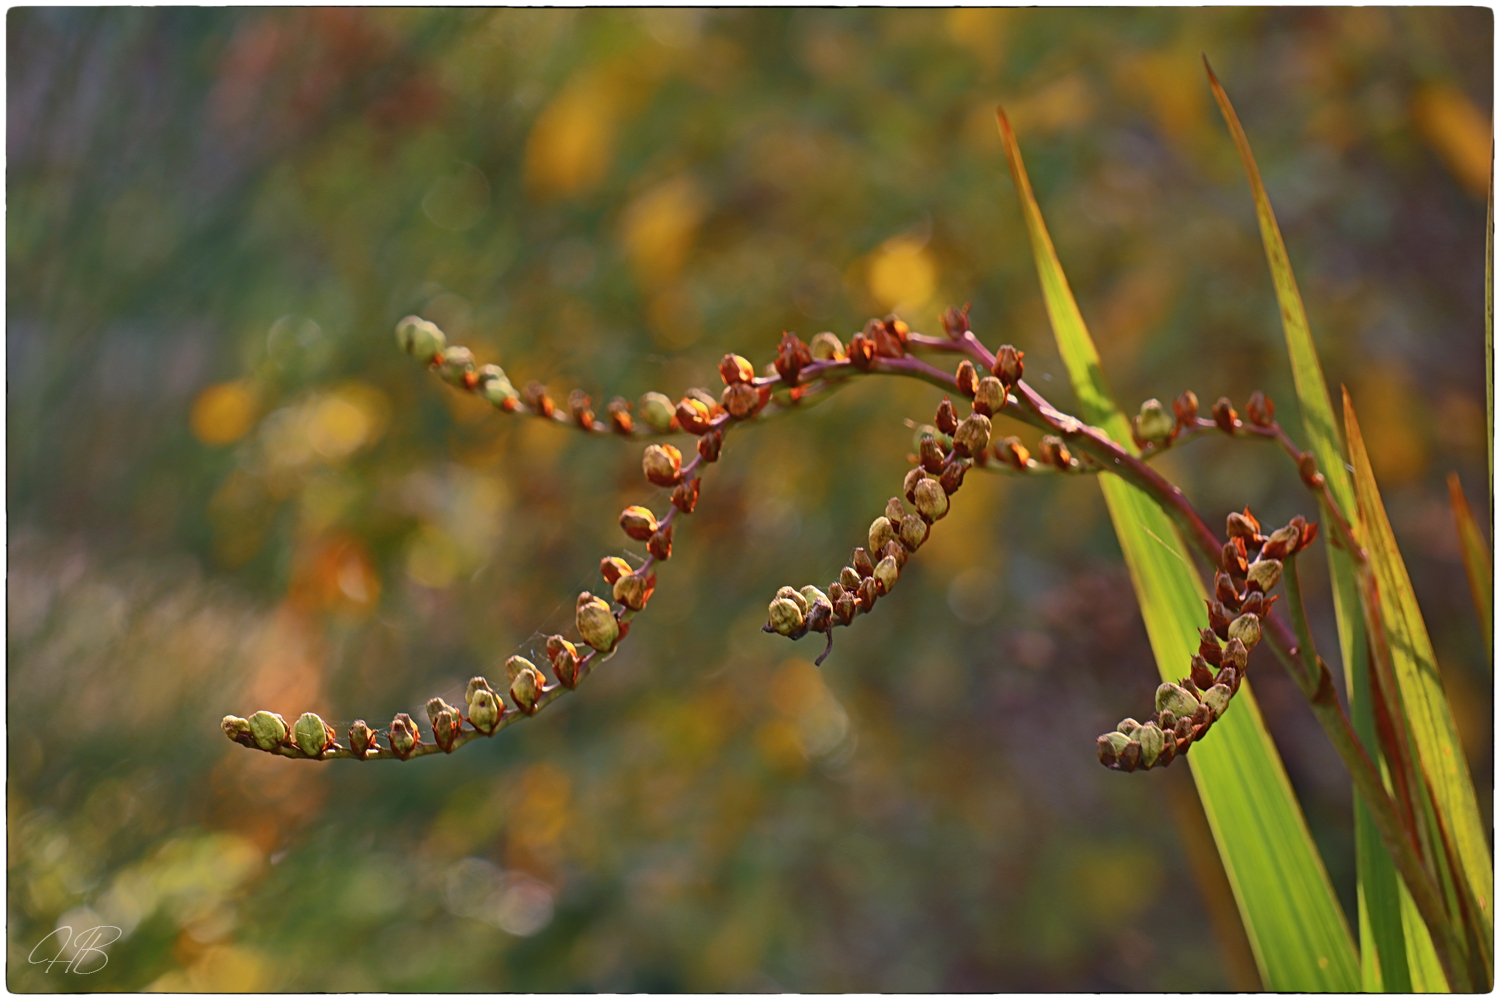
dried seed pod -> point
(1128, 726)
(1264, 573)
(564, 657)
(1013, 453)
(1227, 676)
(735, 369)
(1111, 745)
(420, 338)
(868, 592)
(1245, 628)
(1208, 647)
(1008, 367)
(537, 398)
(660, 543)
(1185, 408)
(361, 739)
(436, 706)
(955, 321)
(455, 365)
(1175, 699)
(638, 522)
(795, 596)
(931, 455)
(1232, 558)
(693, 415)
(862, 563)
(894, 511)
(268, 729)
(972, 435)
(913, 531)
(1183, 730)
(710, 445)
(787, 616)
(791, 357)
(635, 590)
(580, 406)
(619, 415)
(844, 608)
(492, 384)
(1152, 422)
(953, 476)
(1051, 451)
(1254, 604)
(813, 596)
(1224, 415)
(947, 417)
(403, 736)
(886, 574)
(612, 568)
(1130, 757)
(861, 352)
(1202, 676)
(1260, 410)
(685, 496)
(1283, 542)
(741, 400)
(596, 623)
(1235, 655)
(835, 591)
(525, 688)
(849, 579)
(237, 729)
(1218, 619)
(656, 412)
(1239, 526)
(662, 464)
(931, 500)
(880, 533)
(1307, 468)
(826, 347)
(1216, 699)
(1149, 737)
(989, 396)
(1168, 748)
(1224, 590)
(311, 734)
(894, 550)
(967, 378)
(909, 484)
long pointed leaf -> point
(1384, 961)
(1476, 553)
(1421, 688)
(1296, 928)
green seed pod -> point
(513, 666)
(826, 347)
(312, 734)
(1217, 699)
(633, 591)
(525, 689)
(268, 730)
(445, 728)
(1151, 741)
(990, 396)
(1128, 725)
(880, 533)
(1245, 628)
(662, 464)
(403, 736)
(1154, 423)
(638, 522)
(849, 579)
(655, 411)
(484, 711)
(813, 596)
(1264, 573)
(913, 531)
(1117, 741)
(436, 706)
(495, 387)
(886, 574)
(973, 434)
(1175, 699)
(930, 500)
(361, 739)
(419, 338)
(785, 616)
(236, 728)
(564, 657)
(795, 596)
(455, 364)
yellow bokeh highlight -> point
(902, 274)
(572, 143)
(433, 558)
(982, 30)
(223, 412)
(658, 228)
(224, 968)
(1386, 402)
(1064, 103)
(1458, 130)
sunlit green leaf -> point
(1295, 925)
(1476, 553)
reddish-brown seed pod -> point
(909, 484)
(791, 357)
(564, 657)
(1218, 619)
(741, 400)
(685, 496)
(862, 563)
(1309, 532)
(931, 455)
(953, 476)
(1307, 468)
(1253, 604)
(956, 321)
(1052, 451)
(1202, 676)
(1224, 415)
(861, 352)
(1225, 591)
(612, 568)
(1013, 453)
(693, 415)
(537, 398)
(634, 591)
(849, 579)
(1260, 410)
(844, 608)
(638, 522)
(1208, 647)
(1239, 526)
(1185, 408)
(867, 593)
(885, 338)
(1232, 558)
(735, 369)
(660, 544)
(968, 379)
(579, 405)
(621, 422)
(947, 417)
(662, 464)
(710, 444)
(894, 550)
(1008, 367)
(989, 396)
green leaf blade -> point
(1296, 928)
(1476, 553)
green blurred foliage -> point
(228, 490)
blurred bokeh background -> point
(228, 490)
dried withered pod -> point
(989, 396)
(660, 543)
(685, 496)
(662, 464)
(1008, 367)
(791, 357)
(741, 400)
(930, 499)
(972, 436)
(947, 416)
(967, 378)
(619, 416)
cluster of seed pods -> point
(1250, 565)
